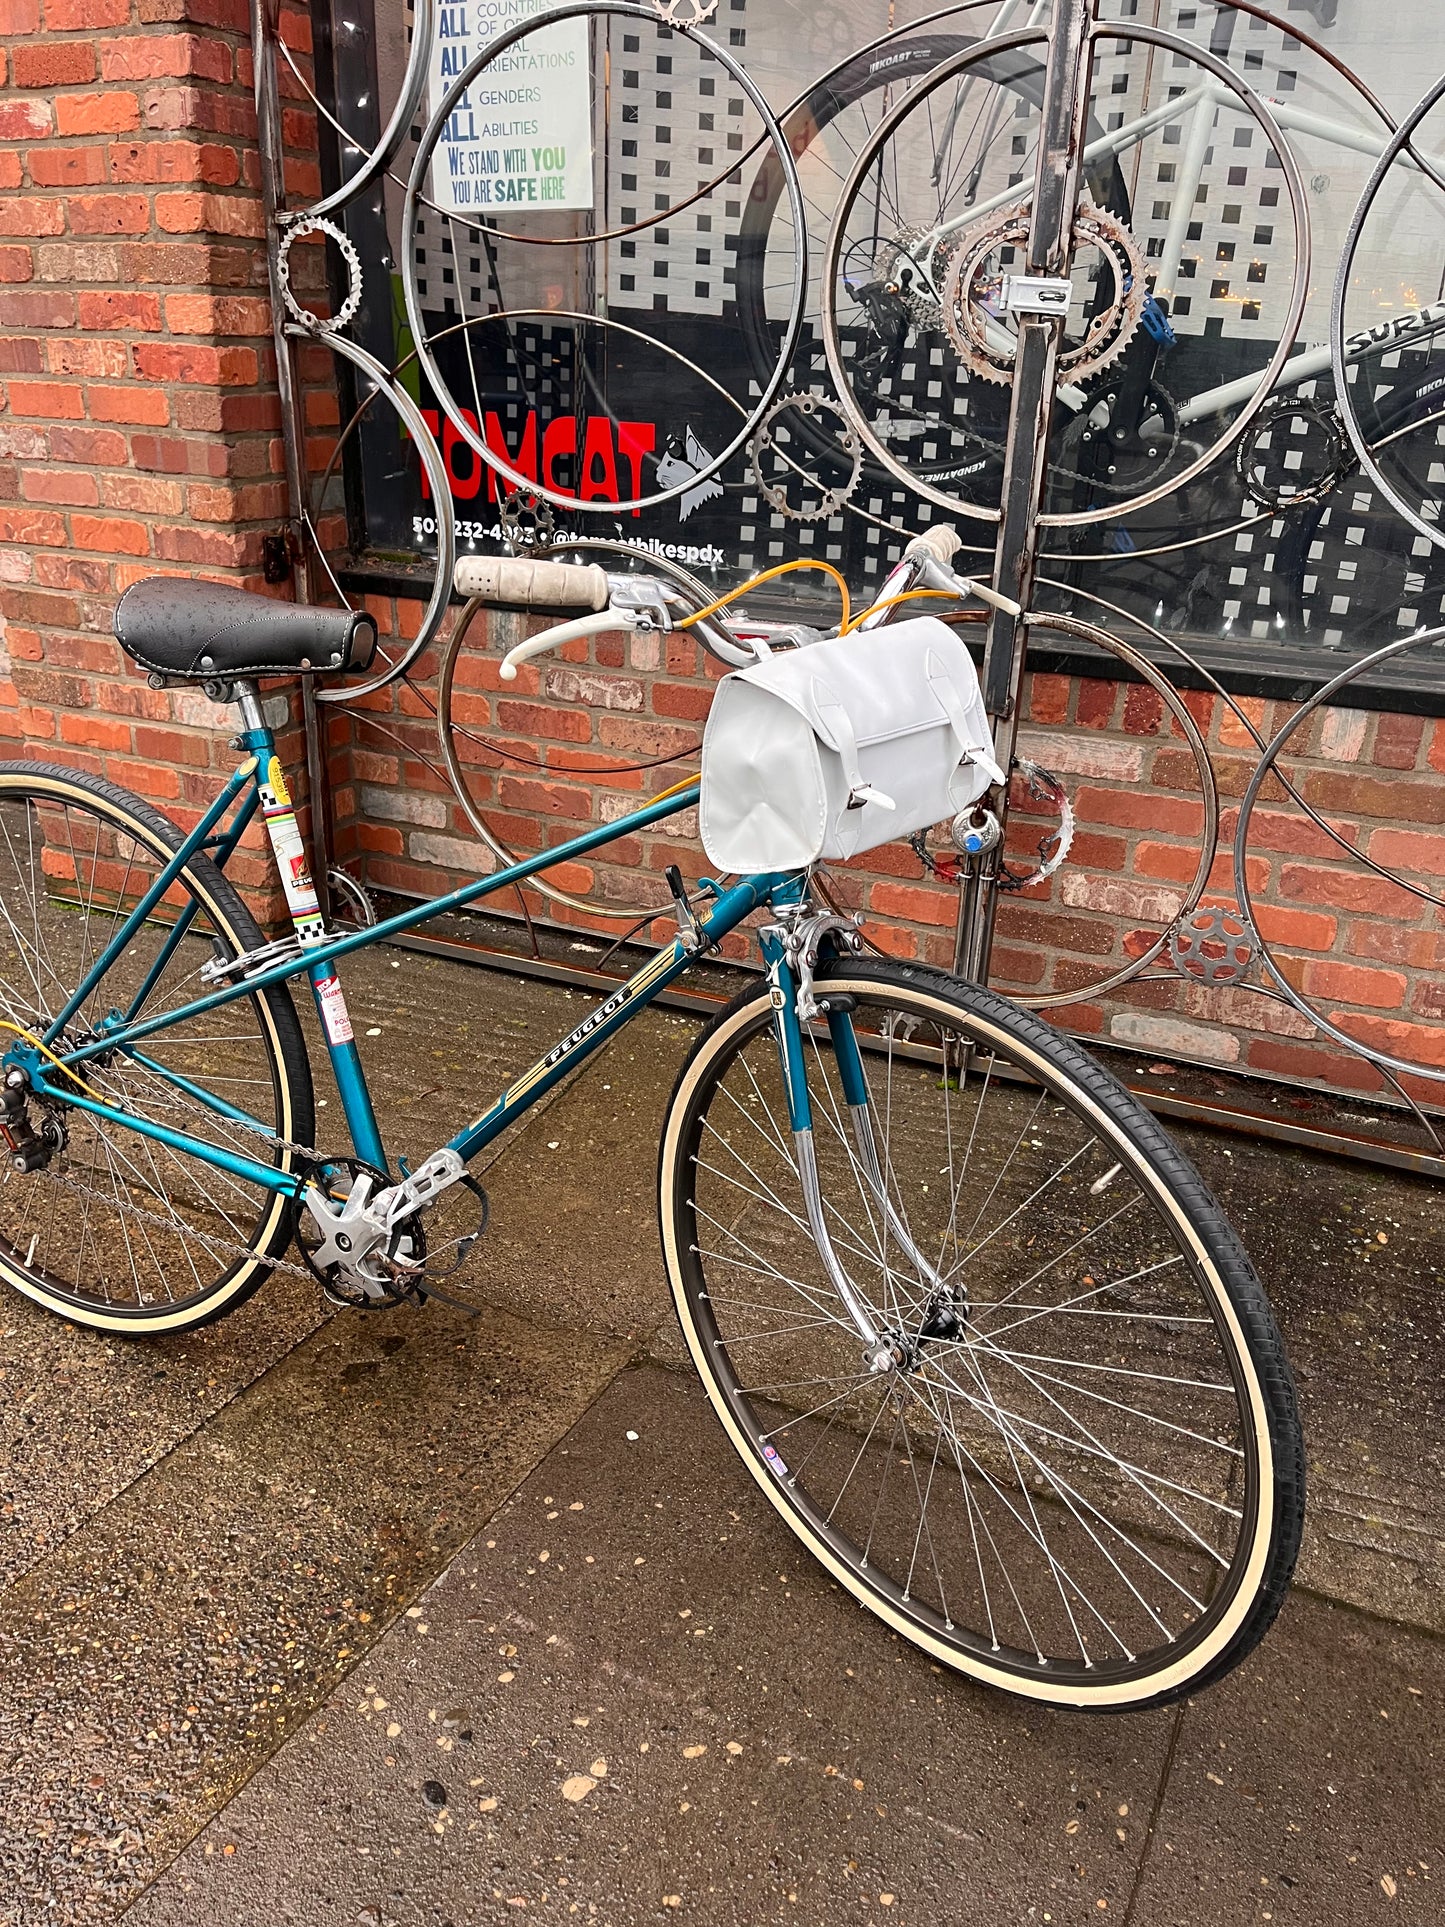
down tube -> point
(600, 1024)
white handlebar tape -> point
(942, 542)
(526, 582)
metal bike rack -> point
(1065, 35)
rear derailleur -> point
(32, 1141)
(361, 1233)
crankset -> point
(362, 1237)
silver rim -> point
(1073, 1494)
(117, 1224)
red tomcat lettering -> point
(539, 452)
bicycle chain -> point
(227, 1245)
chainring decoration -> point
(379, 1279)
(1214, 944)
(820, 499)
(302, 230)
(977, 333)
(1042, 787)
(685, 13)
(528, 524)
(1262, 457)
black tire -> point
(1386, 573)
(1126, 1167)
(138, 1206)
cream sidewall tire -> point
(1167, 1680)
(235, 1284)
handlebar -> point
(634, 602)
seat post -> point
(248, 701)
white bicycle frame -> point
(1198, 108)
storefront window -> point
(1211, 229)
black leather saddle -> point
(206, 632)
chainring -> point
(397, 1273)
(965, 318)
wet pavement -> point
(324, 1618)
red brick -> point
(24, 120)
(920, 903)
(1143, 710)
(80, 16)
(168, 162)
(110, 533)
(173, 455)
(1290, 832)
(15, 265)
(19, 16)
(1410, 850)
(1346, 890)
(86, 355)
(37, 308)
(1141, 810)
(1389, 798)
(142, 405)
(1096, 701)
(59, 400)
(1353, 984)
(52, 63)
(221, 367)
(33, 525)
(12, 174)
(212, 548)
(170, 746)
(1233, 720)
(21, 355)
(96, 732)
(67, 166)
(142, 494)
(1397, 740)
(209, 314)
(209, 214)
(117, 308)
(100, 447)
(110, 113)
(1296, 929)
(68, 487)
(536, 719)
(162, 56)
(1175, 861)
(33, 215)
(545, 799)
(109, 213)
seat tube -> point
(288, 847)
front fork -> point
(883, 1351)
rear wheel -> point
(1082, 1478)
(118, 1230)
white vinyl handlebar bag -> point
(828, 751)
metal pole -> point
(1063, 122)
(270, 142)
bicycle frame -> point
(259, 783)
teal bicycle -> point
(972, 1321)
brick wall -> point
(1365, 949)
(139, 426)
(140, 432)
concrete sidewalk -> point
(337, 1619)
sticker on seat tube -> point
(289, 849)
(334, 1015)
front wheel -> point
(1081, 1479)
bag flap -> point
(884, 680)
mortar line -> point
(1166, 1773)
